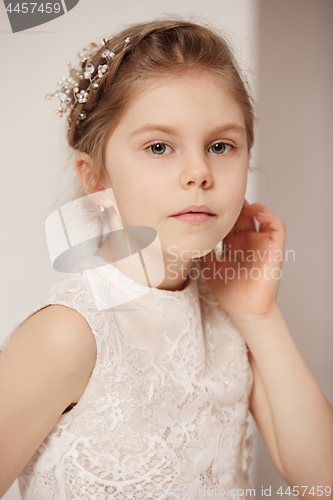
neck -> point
(176, 271)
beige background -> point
(295, 51)
(286, 47)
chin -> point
(206, 252)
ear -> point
(250, 155)
(97, 192)
(83, 167)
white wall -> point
(35, 169)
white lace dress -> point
(165, 412)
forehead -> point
(186, 97)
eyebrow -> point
(149, 127)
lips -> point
(195, 209)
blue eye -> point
(159, 152)
(224, 147)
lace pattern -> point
(165, 407)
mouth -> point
(195, 210)
(194, 217)
(192, 213)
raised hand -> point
(246, 277)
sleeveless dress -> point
(165, 411)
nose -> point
(196, 171)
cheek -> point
(138, 201)
(231, 196)
(237, 191)
(143, 195)
(234, 188)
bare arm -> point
(262, 413)
(301, 415)
(45, 366)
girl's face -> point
(181, 143)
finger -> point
(271, 223)
(259, 207)
(239, 224)
(264, 228)
(245, 222)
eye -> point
(160, 148)
(223, 147)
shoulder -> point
(61, 332)
(57, 342)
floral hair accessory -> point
(68, 88)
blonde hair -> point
(157, 48)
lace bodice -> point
(166, 404)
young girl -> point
(132, 379)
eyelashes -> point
(226, 147)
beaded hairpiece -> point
(68, 87)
